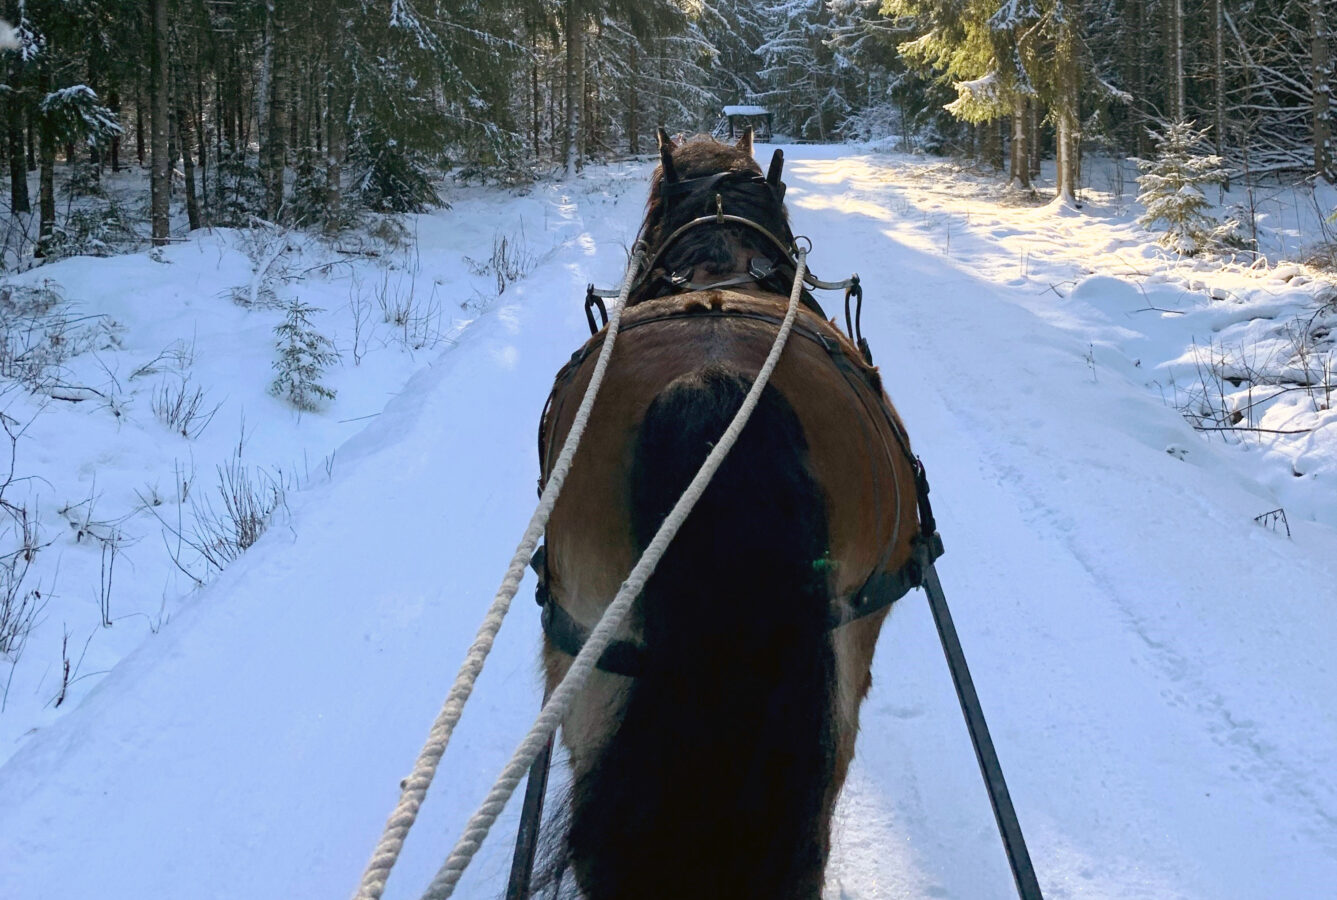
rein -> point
(534, 752)
(556, 707)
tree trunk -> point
(276, 149)
(183, 132)
(535, 99)
(114, 104)
(1134, 48)
(633, 120)
(18, 170)
(1066, 111)
(1324, 164)
(1218, 76)
(334, 154)
(139, 121)
(263, 94)
(202, 142)
(1178, 105)
(47, 190)
(589, 83)
(160, 177)
(273, 125)
(574, 86)
(1033, 136)
(1019, 162)
(46, 151)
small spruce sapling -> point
(1172, 191)
(304, 354)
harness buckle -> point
(593, 301)
(928, 526)
(760, 267)
(854, 327)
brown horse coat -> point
(866, 477)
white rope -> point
(443, 885)
(413, 789)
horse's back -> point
(854, 448)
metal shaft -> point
(1023, 873)
(531, 816)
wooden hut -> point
(739, 117)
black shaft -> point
(531, 816)
(1023, 873)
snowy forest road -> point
(1156, 668)
(1153, 664)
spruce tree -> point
(801, 85)
(304, 355)
(1172, 192)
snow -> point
(1156, 667)
(745, 111)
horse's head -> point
(700, 177)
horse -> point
(708, 750)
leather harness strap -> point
(880, 590)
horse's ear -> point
(745, 142)
(777, 166)
(666, 148)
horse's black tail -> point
(715, 782)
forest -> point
(308, 113)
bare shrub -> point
(360, 307)
(416, 322)
(390, 232)
(1233, 388)
(225, 524)
(510, 261)
(20, 542)
(181, 407)
(18, 607)
(179, 355)
(265, 244)
(36, 334)
(18, 239)
(110, 550)
(248, 498)
(40, 332)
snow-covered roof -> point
(746, 111)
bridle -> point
(762, 270)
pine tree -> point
(304, 355)
(1172, 192)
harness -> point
(775, 274)
(879, 590)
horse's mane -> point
(716, 248)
